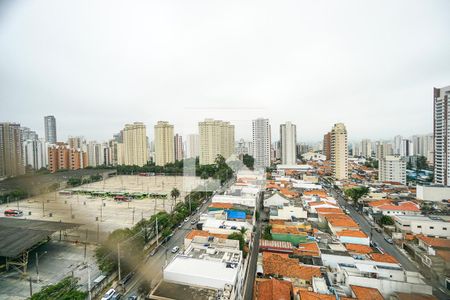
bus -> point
(122, 198)
(13, 213)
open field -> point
(102, 215)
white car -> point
(175, 249)
(109, 294)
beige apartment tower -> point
(164, 143)
(11, 161)
(135, 144)
(339, 151)
(216, 138)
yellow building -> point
(164, 143)
(134, 144)
(339, 151)
(216, 138)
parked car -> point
(109, 294)
(116, 296)
(378, 229)
(133, 297)
(127, 278)
(193, 222)
(175, 249)
(388, 239)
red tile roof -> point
(361, 249)
(337, 220)
(413, 296)
(384, 258)
(221, 205)
(434, 242)
(366, 293)
(328, 210)
(352, 233)
(308, 295)
(272, 289)
(193, 233)
(402, 206)
(308, 249)
(280, 264)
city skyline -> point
(187, 66)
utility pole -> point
(37, 266)
(89, 282)
(43, 209)
(132, 222)
(118, 261)
(157, 239)
(31, 287)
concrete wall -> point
(432, 193)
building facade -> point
(261, 142)
(61, 157)
(216, 138)
(50, 129)
(339, 151)
(11, 156)
(288, 141)
(327, 145)
(392, 168)
(135, 144)
(164, 143)
(441, 135)
(178, 147)
(192, 146)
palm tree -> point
(175, 193)
(243, 230)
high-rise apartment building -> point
(192, 146)
(216, 138)
(423, 146)
(288, 142)
(164, 143)
(11, 157)
(392, 168)
(34, 154)
(96, 153)
(178, 147)
(398, 144)
(60, 156)
(135, 144)
(383, 149)
(366, 148)
(76, 142)
(261, 142)
(50, 129)
(441, 135)
(327, 145)
(406, 148)
(339, 151)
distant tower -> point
(441, 136)
(178, 147)
(339, 151)
(164, 143)
(261, 142)
(50, 129)
(288, 141)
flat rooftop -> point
(170, 290)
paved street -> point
(406, 263)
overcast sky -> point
(97, 65)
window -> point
(419, 226)
(444, 228)
(431, 227)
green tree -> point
(66, 289)
(238, 236)
(356, 193)
(267, 235)
(386, 220)
(248, 161)
(175, 193)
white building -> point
(35, 154)
(249, 201)
(214, 267)
(288, 142)
(441, 136)
(261, 142)
(392, 168)
(314, 156)
(426, 225)
(339, 151)
(366, 148)
(192, 146)
(437, 193)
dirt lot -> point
(98, 215)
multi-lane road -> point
(391, 249)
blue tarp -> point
(235, 214)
